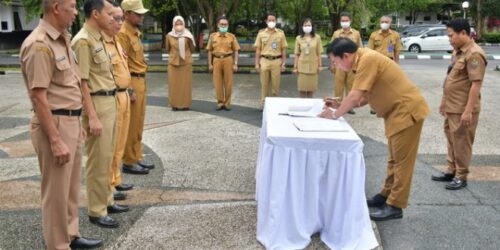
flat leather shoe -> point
(376, 201)
(386, 212)
(352, 112)
(119, 196)
(146, 164)
(124, 187)
(443, 177)
(86, 243)
(115, 208)
(105, 221)
(456, 184)
(134, 169)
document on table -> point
(302, 111)
(320, 125)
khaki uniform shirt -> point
(386, 43)
(48, 62)
(222, 43)
(389, 91)
(468, 65)
(172, 46)
(309, 50)
(93, 59)
(270, 43)
(118, 61)
(130, 39)
(351, 34)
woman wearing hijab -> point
(180, 45)
(307, 61)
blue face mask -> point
(222, 29)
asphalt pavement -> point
(201, 193)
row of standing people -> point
(99, 75)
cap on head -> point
(134, 5)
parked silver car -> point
(431, 38)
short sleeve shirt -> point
(388, 43)
(118, 61)
(389, 91)
(468, 65)
(309, 50)
(270, 43)
(48, 62)
(93, 59)
(351, 34)
(222, 43)
(130, 39)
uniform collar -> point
(466, 47)
(93, 32)
(222, 34)
(108, 39)
(50, 30)
(348, 31)
(389, 31)
(131, 29)
(358, 55)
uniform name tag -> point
(98, 50)
(61, 58)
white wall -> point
(6, 16)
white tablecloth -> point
(310, 182)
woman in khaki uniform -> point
(180, 45)
(380, 82)
(307, 61)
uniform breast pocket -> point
(377, 43)
(458, 68)
(101, 60)
(265, 40)
(63, 72)
(137, 48)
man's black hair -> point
(301, 30)
(271, 14)
(223, 17)
(91, 5)
(114, 3)
(340, 46)
(347, 14)
(458, 25)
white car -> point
(433, 38)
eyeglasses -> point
(118, 19)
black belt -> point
(223, 56)
(270, 57)
(121, 90)
(133, 74)
(104, 93)
(67, 112)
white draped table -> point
(309, 182)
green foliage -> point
(493, 37)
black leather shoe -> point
(119, 196)
(134, 169)
(105, 221)
(146, 164)
(219, 108)
(85, 243)
(386, 212)
(373, 112)
(456, 184)
(376, 201)
(352, 112)
(124, 187)
(115, 209)
(226, 108)
(443, 177)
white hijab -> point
(181, 36)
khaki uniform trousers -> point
(270, 77)
(343, 83)
(403, 148)
(60, 187)
(460, 140)
(100, 151)
(133, 148)
(121, 133)
(223, 80)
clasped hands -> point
(331, 104)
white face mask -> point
(271, 25)
(345, 25)
(384, 26)
(307, 29)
